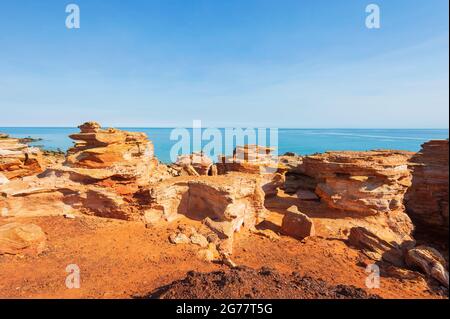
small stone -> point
(179, 238)
(199, 239)
(69, 216)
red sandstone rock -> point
(297, 224)
(427, 199)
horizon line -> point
(243, 127)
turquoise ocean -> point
(300, 141)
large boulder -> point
(427, 198)
(297, 224)
(17, 238)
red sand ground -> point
(121, 259)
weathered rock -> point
(380, 246)
(427, 198)
(367, 183)
(18, 160)
(297, 224)
(430, 261)
(17, 238)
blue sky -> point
(272, 63)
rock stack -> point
(111, 153)
(427, 199)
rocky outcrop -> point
(17, 238)
(427, 199)
(367, 183)
(101, 176)
(258, 160)
(18, 160)
(224, 203)
(430, 261)
(380, 246)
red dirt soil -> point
(120, 259)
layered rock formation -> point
(367, 183)
(255, 159)
(111, 153)
(17, 159)
(427, 199)
(101, 176)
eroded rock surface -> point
(427, 199)
(430, 261)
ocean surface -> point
(300, 141)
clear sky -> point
(277, 63)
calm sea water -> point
(300, 141)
